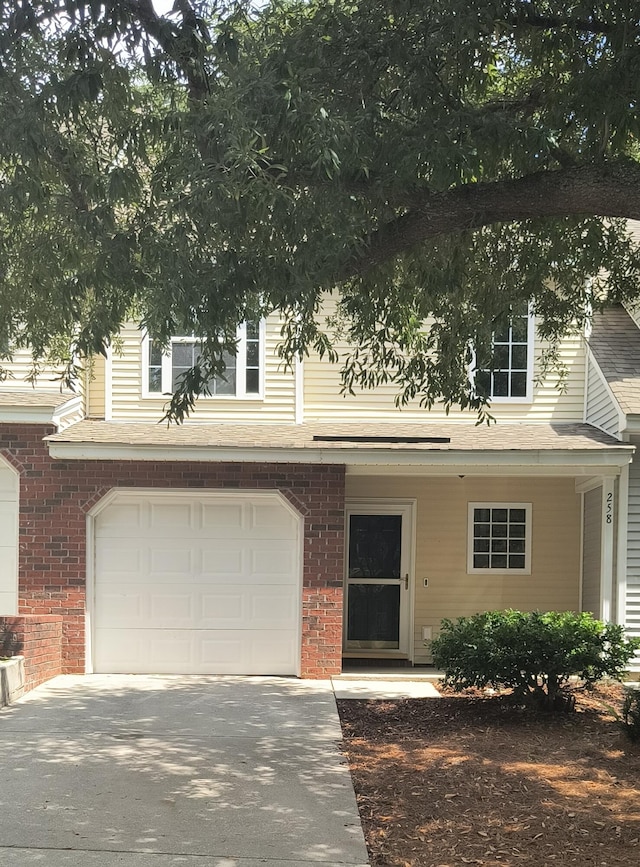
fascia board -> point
(552, 458)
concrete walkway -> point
(150, 771)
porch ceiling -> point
(578, 448)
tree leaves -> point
(425, 163)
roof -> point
(31, 397)
(615, 344)
(330, 437)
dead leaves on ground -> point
(476, 781)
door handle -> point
(406, 581)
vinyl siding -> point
(601, 408)
(441, 546)
(592, 551)
(323, 401)
(129, 403)
(95, 387)
(19, 369)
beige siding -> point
(601, 409)
(441, 545)
(592, 551)
(95, 387)
(324, 402)
(19, 369)
(129, 403)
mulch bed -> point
(471, 779)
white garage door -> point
(198, 584)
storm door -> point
(378, 579)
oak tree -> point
(443, 162)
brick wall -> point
(55, 497)
(39, 639)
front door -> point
(378, 579)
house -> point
(285, 527)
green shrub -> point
(631, 714)
(534, 654)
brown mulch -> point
(471, 779)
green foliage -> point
(534, 654)
(631, 714)
(438, 161)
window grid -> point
(510, 374)
(500, 537)
(242, 376)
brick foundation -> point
(55, 497)
(39, 639)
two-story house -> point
(285, 527)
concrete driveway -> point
(150, 771)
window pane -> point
(480, 561)
(517, 516)
(501, 358)
(499, 515)
(375, 543)
(516, 546)
(516, 561)
(481, 530)
(499, 546)
(155, 354)
(155, 379)
(374, 613)
(483, 383)
(518, 385)
(225, 384)
(481, 546)
(253, 330)
(253, 354)
(182, 355)
(253, 381)
(517, 531)
(500, 385)
(499, 561)
(500, 531)
(519, 358)
(482, 515)
(520, 329)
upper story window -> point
(243, 376)
(510, 377)
(499, 538)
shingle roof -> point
(615, 344)
(33, 398)
(462, 437)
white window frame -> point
(528, 396)
(488, 570)
(241, 360)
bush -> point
(533, 654)
(631, 714)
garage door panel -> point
(222, 519)
(174, 652)
(126, 518)
(179, 560)
(174, 516)
(228, 607)
(267, 523)
(113, 558)
(210, 584)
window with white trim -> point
(510, 376)
(499, 538)
(243, 376)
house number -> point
(609, 511)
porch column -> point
(607, 549)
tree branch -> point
(604, 189)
